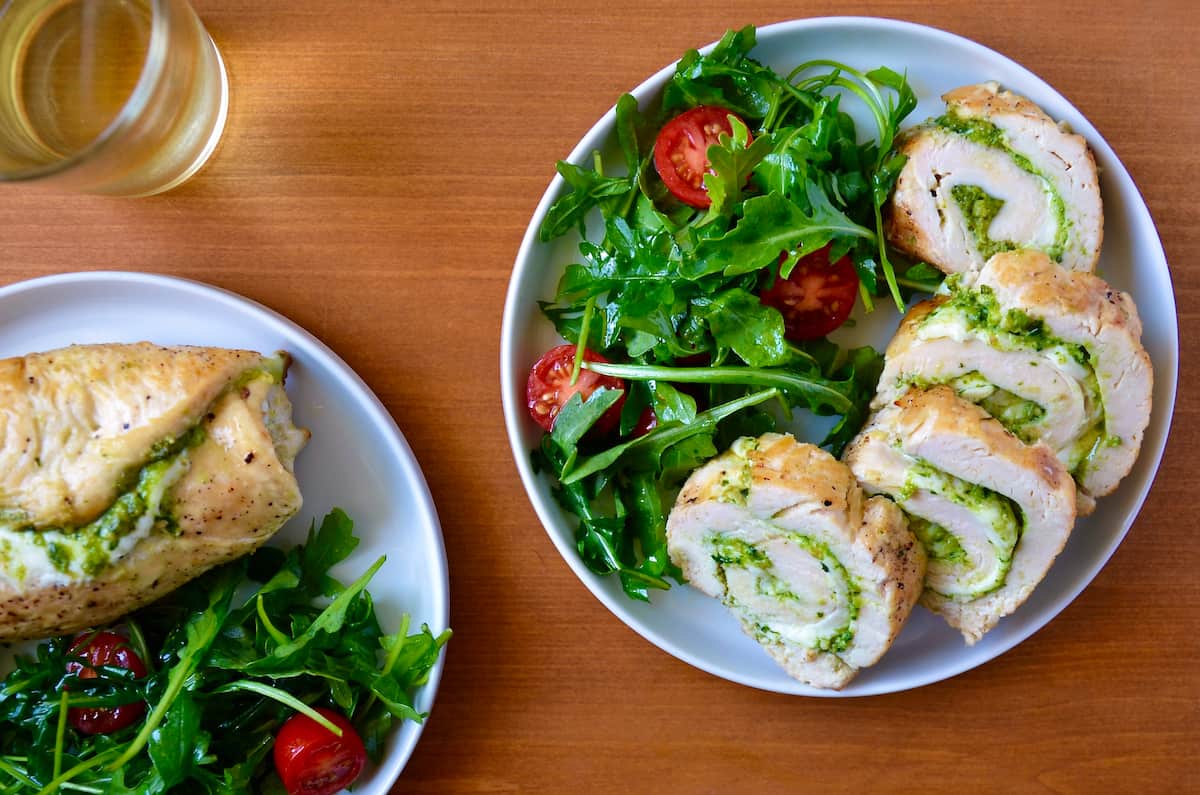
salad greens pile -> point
(231, 655)
(670, 293)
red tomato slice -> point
(681, 151)
(311, 760)
(816, 297)
(549, 387)
(104, 648)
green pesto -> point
(274, 368)
(1006, 329)
(999, 513)
(96, 540)
(60, 555)
(1019, 416)
(728, 551)
(940, 543)
(987, 134)
(17, 570)
(979, 209)
(981, 132)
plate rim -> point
(598, 133)
(408, 733)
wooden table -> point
(380, 166)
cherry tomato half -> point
(311, 760)
(816, 297)
(104, 648)
(681, 151)
(549, 387)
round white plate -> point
(698, 629)
(357, 458)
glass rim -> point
(139, 98)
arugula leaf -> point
(726, 77)
(577, 416)
(741, 322)
(177, 743)
(652, 445)
(588, 187)
(860, 377)
(732, 162)
(772, 224)
(921, 277)
(331, 544)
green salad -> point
(739, 227)
(196, 692)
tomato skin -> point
(681, 151)
(104, 648)
(647, 421)
(817, 296)
(311, 760)
(549, 387)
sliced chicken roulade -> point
(1054, 355)
(818, 574)
(991, 511)
(995, 173)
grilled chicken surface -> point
(991, 511)
(126, 470)
(995, 173)
(822, 577)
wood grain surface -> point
(381, 163)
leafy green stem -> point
(665, 435)
(786, 381)
(283, 697)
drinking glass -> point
(118, 97)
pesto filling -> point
(142, 504)
(987, 134)
(979, 209)
(88, 549)
(1021, 417)
(771, 606)
(940, 544)
(963, 567)
(982, 317)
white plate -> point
(698, 629)
(357, 458)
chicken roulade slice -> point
(822, 577)
(991, 511)
(993, 174)
(1055, 355)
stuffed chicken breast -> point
(1054, 355)
(126, 470)
(991, 511)
(993, 174)
(779, 531)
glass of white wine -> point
(118, 97)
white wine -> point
(77, 67)
(111, 96)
